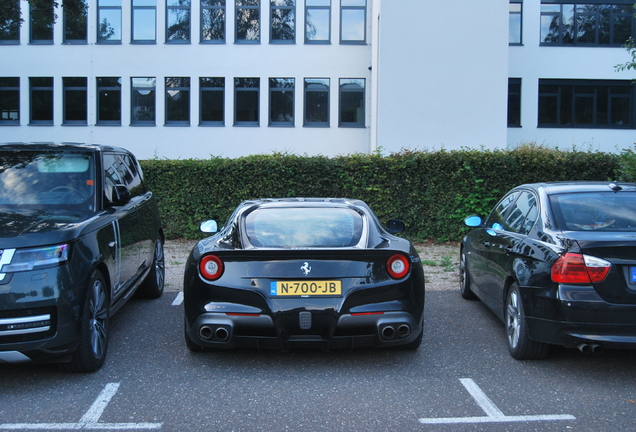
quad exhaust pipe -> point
(389, 332)
(221, 334)
(590, 348)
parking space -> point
(462, 378)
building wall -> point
(443, 74)
(192, 60)
(532, 62)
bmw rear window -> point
(595, 211)
(306, 227)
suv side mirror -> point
(395, 226)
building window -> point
(75, 22)
(10, 27)
(246, 101)
(248, 16)
(317, 102)
(514, 22)
(109, 101)
(41, 20)
(178, 101)
(213, 21)
(41, 96)
(109, 21)
(178, 21)
(586, 24)
(281, 101)
(75, 101)
(514, 102)
(144, 21)
(353, 27)
(283, 20)
(143, 101)
(212, 100)
(586, 104)
(318, 21)
(9, 101)
(351, 103)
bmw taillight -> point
(398, 266)
(579, 268)
(211, 267)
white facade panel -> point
(443, 74)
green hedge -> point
(432, 192)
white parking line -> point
(90, 420)
(493, 414)
(178, 299)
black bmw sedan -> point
(556, 262)
(303, 272)
(79, 235)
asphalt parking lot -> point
(461, 379)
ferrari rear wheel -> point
(464, 279)
(520, 345)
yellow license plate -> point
(306, 288)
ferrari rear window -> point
(595, 211)
(304, 227)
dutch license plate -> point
(632, 275)
(306, 288)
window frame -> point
(153, 90)
(214, 7)
(272, 9)
(238, 93)
(102, 6)
(188, 10)
(10, 85)
(133, 21)
(105, 88)
(67, 88)
(214, 88)
(514, 102)
(511, 15)
(281, 85)
(318, 81)
(13, 33)
(564, 103)
(240, 5)
(341, 92)
(183, 86)
(84, 17)
(574, 26)
(308, 9)
(350, 8)
(50, 93)
(46, 26)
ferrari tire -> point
(520, 345)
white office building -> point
(199, 78)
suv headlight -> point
(33, 258)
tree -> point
(630, 45)
(10, 9)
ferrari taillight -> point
(579, 268)
(398, 266)
(211, 267)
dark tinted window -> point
(121, 169)
(523, 214)
(595, 211)
(46, 179)
(304, 227)
(496, 217)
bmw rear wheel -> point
(464, 278)
(520, 345)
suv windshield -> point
(593, 211)
(37, 179)
(304, 227)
